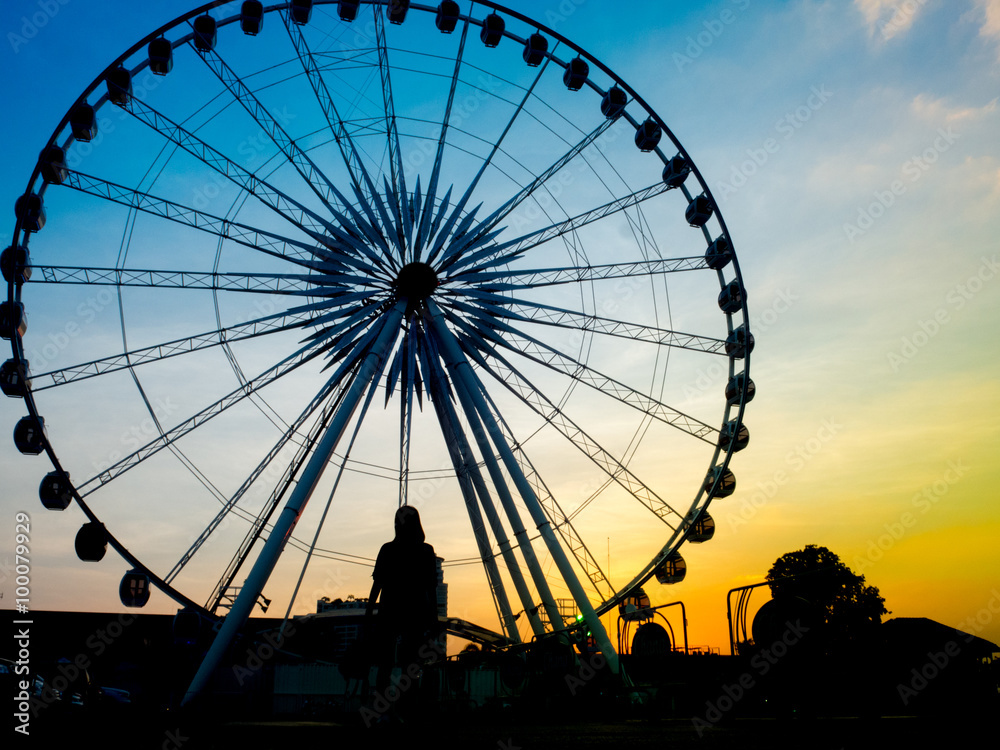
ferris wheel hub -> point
(416, 282)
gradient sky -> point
(853, 149)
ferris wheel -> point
(382, 253)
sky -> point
(852, 149)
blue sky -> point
(852, 147)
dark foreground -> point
(173, 732)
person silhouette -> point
(405, 586)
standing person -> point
(405, 577)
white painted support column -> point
(462, 372)
(371, 368)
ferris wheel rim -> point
(704, 496)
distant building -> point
(348, 614)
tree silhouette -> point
(851, 610)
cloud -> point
(889, 18)
(937, 110)
(991, 20)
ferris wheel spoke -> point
(528, 311)
(281, 204)
(505, 374)
(332, 394)
(557, 361)
(553, 511)
(454, 259)
(272, 244)
(306, 167)
(424, 226)
(210, 412)
(289, 436)
(360, 178)
(134, 357)
(491, 257)
(529, 92)
(397, 186)
(512, 280)
(260, 283)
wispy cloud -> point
(938, 110)
(991, 20)
(889, 18)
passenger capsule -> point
(731, 297)
(739, 343)
(30, 210)
(719, 253)
(613, 102)
(735, 433)
(701, 530)
(251, 17)
(205, 33)
(14, 263)
(676, 171)
(396, 10)
(161, 56)
(134, 589)
(52, 164)
(55, 491)
(672, 570)
(120, 86)
(91, 542)
(734, 389)
(15, 379)
(576, 74)
(492, 32)
(12, 319)
(29, 435)
(347, 9)
(699, 211)
(635, 607)
(301, 11)
(726, 485)
(83, 122)
(447, 16)
(648, 135)
(535, 49)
